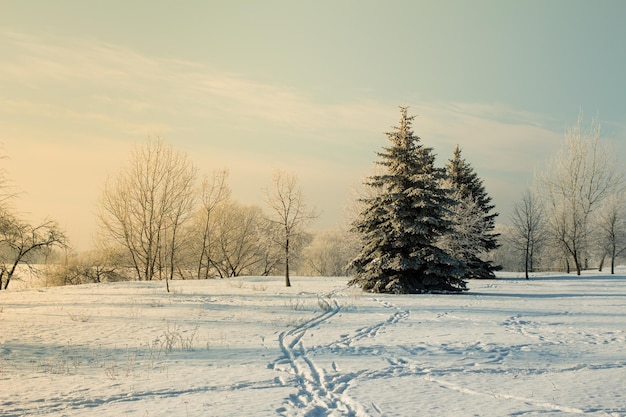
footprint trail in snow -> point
(323, 392)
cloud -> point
(123, 87)
(505, 146)
(87, 101)
(498, 138)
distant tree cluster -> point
(574, 215)
(171, 228)
(422, 228)
(329, 252)
(157, 221)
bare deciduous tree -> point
(528, 232)
(19, 241)
(238, 248)
(611, 229)
(214, 193)
(576, 182)
(144, 207)
(271, 253)
(289, 211)
(6, 191)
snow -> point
(553, 345)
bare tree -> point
(507, 254)
(289, 211)
(19, 242)
(529, 229)
(238, 248)
(178, 209)
(7, 193)
(214, 193)
(271, 253)
(611, 229)
(145, 206)
(576, 182)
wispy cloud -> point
(130, 87)
(98, 94)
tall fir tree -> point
(469, 189)
(403, 220)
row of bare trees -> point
(157, 222)
(227, 238)
(168, 226)
(574, 214)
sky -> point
(305, 87)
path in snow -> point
(326, 391)
(322, 392)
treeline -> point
(573, 217)
(416, 227)
(158, 220)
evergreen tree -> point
(469, 189)
(403, 220)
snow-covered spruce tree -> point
(403, 220)
(469, 190)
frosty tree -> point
(470, 193)
(528, 228)
(289, 213)
(402, 221)
(575, 184)
(146, 205)
(468, 226)
(611, 229)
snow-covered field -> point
(554, 345)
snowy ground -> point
(551, 346)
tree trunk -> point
(287, 282)
(526, 264)
(9, 273)
(613, 256)
(204, 252)
(601, 263)
(577, 264)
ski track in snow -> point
(520, 324)
(322, 392)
